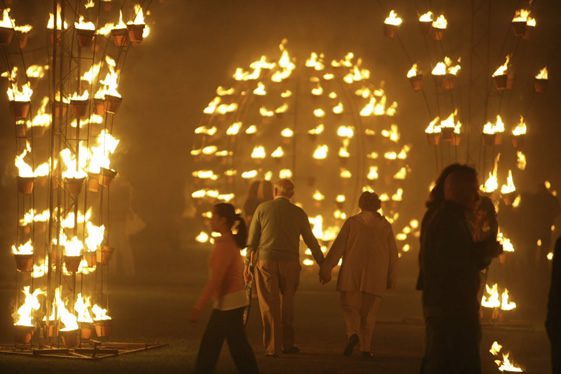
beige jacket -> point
(367, 245)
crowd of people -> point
(458, 240)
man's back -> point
(276, 228)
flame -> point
(503, 69)
(521, 128)
(434, 127)
(452, 122)
(521, 162)
(83, 25)
(23, 316)
(22, 94)
(372, 173)
(72, 247)
(42, 118)
(7, 22)
(99, 154)
(69, 220)
(413, 72)
(51, 22)
(139, 16)
(401, 174)
(427, 17)
(260, 90)
(234, 129)
(32, 216)
(524, 16)
(258, 152)
(120, 25)
(71, 170)
(509, 187)
(264, 112)
(109, 84)
(69, 320)
(393, 19)
(494, 128)
(345, 132)
(495, 348)
(250, 174)
(203, 237)
(491, 299)
(36, 71)
(82, 308)
(23, 249)
(507, 365)
(40, 268)
(345, 173)
(440, 23)
(95, 236)
(210, 131)
(282, 109)
(340, 199)
(321, 152)
(285, 174)
(446, 67)
(318, 196)
(24, 29)
(91, 74)
(89, 4)
(543, 74)
(287, 133)
(506, 304)
(392, 134)
(344, 152)
(505, 242)
(25, 170)
(315, 61)
(319, 113)
(278, 153)
(318, 130)
(491, 184)
(339, 108)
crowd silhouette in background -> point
(458, 241)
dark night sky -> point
(196, 45)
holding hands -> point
(324, 273)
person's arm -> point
(309, 238)
(392, 268)
(218, 268)
(338, 247)
(254, 235)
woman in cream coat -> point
(367, 247)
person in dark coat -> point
(451, 265)
(553, 321)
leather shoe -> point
(353, 341)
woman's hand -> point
(324, 274)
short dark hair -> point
(369, 201)
(228, 212)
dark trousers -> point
(452, 345)
(554, 334)
(225, 325)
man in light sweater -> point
(274, 241)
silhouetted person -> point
(274, 241)
(367, 246)
(259, 192)
(553, 321)
(436, 198)
(451, 265)
(226, 287)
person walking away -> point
(274, 240)
(366, 245)
(553, 321)
(451, 265)
(226, 287)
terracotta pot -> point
(508, 198)
(86, 331)
(72, 263)
(6, 36)
(23, 39)
(445, 82)
(119, 37)
(93, 182)
(73, 185)
(24, 263)
(91, 258)
(434, 138)
(540, 85)
(23, 334)
(437, 34)
(390, 30)
(99, 107)
(501, 81)
(106, 176)
(491, 140)
(103, 254)
(85, 37)
(60, 109)
(135, 33)
(25, 185)
(416, 82)
(518, 141)
(519, 28)
(69, 338)
(51, 330)
(112, 103)
(20, 109)
(447, 133)
(79, 107)
(21, 131)
(456, 139)
(102, 328)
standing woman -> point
(226, 287)
(367, 246)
